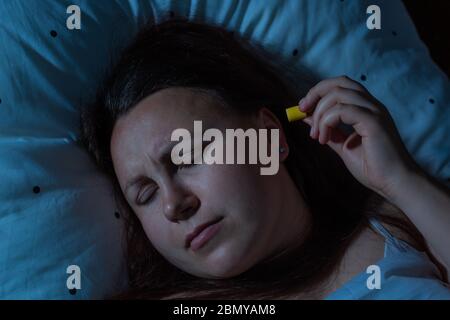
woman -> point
(307, 232)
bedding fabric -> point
(57, 210)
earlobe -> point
(284, 152)
(270, 121)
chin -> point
(220, 276)
(224, 272)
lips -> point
(202, 234)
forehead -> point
(164, 111)
(148, 126)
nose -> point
(179, 204)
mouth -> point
(202, 234)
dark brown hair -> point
(199, 56)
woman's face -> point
(259, 214)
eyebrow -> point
(165, 157)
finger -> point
(331, 135)
(337, 95)
(321, 88)
(335, 139)
(329, 122)
(360, 118)
(308, 120)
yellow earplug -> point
(294, 114)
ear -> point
(267, 120)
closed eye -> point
(146, 195)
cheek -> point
(156, 232)
(230, 178)
(163, 240)
(238, 190)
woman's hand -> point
(376, 156)
(374, 152)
